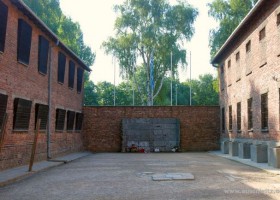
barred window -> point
(3, 107)
(70, 120)
(41, 112)
(60, 119)
(79, 121)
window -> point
(229, 63)
(237, 56)
(230, 118)
(41, 112)
(61, 67)
(223, 119)
(239, 117)
(250, 113)
(264, 111)
(3, 25)
(70, 120)
(24, 41)
(60, 119)
(248, 46)
(262, 34)
(79, 121)
(3, 107)
(22, 109)
(71, 74)
(80, 73)
(278, 19)
(43, 55)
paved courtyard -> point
(129, 176)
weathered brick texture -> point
(199, 126)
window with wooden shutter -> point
(41, 112)
(24, 41)
(3, 25)
(3, 107)
(60, 119)
(71, 74)
(70, 120)
(61, 67)
(22, 109)
(43, 53)
(79, 121)
(80, 73)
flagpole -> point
(171, 80)
(190, 78)
(114, 81)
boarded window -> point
(230, 118)
(61, 67)
(43, 55)
(262, 34)
(223, 119)
(22, 109)
(24, 41)
(70, 120)
(248, 46)
(3, 107)
(250, 113)
(41, 112)
(264, 111)
(80, 73)
(71, 74)
(79, 121)
(239, 116)
(3, 25)
(60, 119)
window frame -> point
(24, 42)
(60, 119)
(21, 121)
(250, 114)
(238, 116)
(230, 118)
(71, 74)
(223, 119)
(70, 120)
(264, 112)
(3, 25)
(41, 111)
(43, 55)
(3, 108)
(79, 121)
(61, 67)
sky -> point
(97, 23)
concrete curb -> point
(15, 174)
(263, 166)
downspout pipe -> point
(50, 102)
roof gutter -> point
(214, 61)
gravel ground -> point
(129, 176)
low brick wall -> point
(199, 125)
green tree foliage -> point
(228, 13)
(70, 34)
(150, 26)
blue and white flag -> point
(152, 71)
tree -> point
(90, 94)
(149, 30)
(228, 13)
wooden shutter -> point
(79, 121)
(80, 73)
(24, 41)
(3, 107)
(71, 74)
(22, 109)
(3, 25)
(61, 67)
(41, 112)
(60, 118)
(43, 55)
(70, 120)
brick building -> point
(249, 72)
(40, 79)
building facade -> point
(40, 79)
(249, 73)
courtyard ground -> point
(129, 176)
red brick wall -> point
(199, 126)
(20, 81)
(263, 61)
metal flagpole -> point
(114, 60)
(133, 83)
(190, 78)
(171, 80)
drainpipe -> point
(50, 103)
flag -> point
(152, 71)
